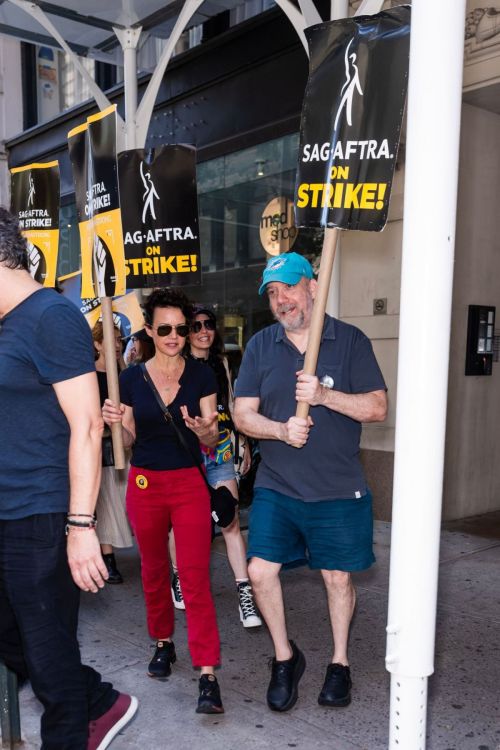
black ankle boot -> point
(114, 574)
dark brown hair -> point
(169, 297)
(13, 252)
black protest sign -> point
(92, 148)
(351, 120)
(35, 201)
(160, 216)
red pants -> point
(157, 501)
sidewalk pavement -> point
(464, 695)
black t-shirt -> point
(156, 446)
(223, 451)
(102, 380)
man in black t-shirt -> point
(50, 401)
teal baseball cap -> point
(288, 268)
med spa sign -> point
(277, 226)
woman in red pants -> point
(165, 489)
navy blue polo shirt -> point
(44, 340)
(328, 466)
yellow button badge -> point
(141, 481)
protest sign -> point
(35, 201)
(351, 120)
(160, 216)
(92, 148)
(350, 128)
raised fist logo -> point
(99, 258)
(103, 269)
(36, 262)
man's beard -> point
(291, 325)
(298, 322)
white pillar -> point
(129, 39)
(434, 110)
(339, 9)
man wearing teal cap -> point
(311, 502)
(288, 268)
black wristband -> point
(82, 524)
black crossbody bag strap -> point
(170, 420)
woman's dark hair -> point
(147, 351)
(166, 298)
(215, 356)
(217, 348)
(13, 252)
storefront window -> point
(233, 192)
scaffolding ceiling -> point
(91, 33)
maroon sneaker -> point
(103, 730)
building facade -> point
(237, 97)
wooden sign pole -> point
(318, 314)
(112, 377)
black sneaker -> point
(336, 690)
(282, 692)
(160, 665)
(114, 575)
(177, 597)
(209, 701)
(249, 615)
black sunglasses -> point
(209, 324)
(165, 330)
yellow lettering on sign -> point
(338, 195)
(351, 199)
(368, 195)
(161, 265)
(167, 264)
(339, 173)
(183, 263)
(363, 195)
(302, 195)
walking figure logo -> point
(149, 195)
(31, 192)
(351, 83)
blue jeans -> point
(38, 622)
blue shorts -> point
(327, 535)
(217, 473)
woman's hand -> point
(112, 413)
(205, 428)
